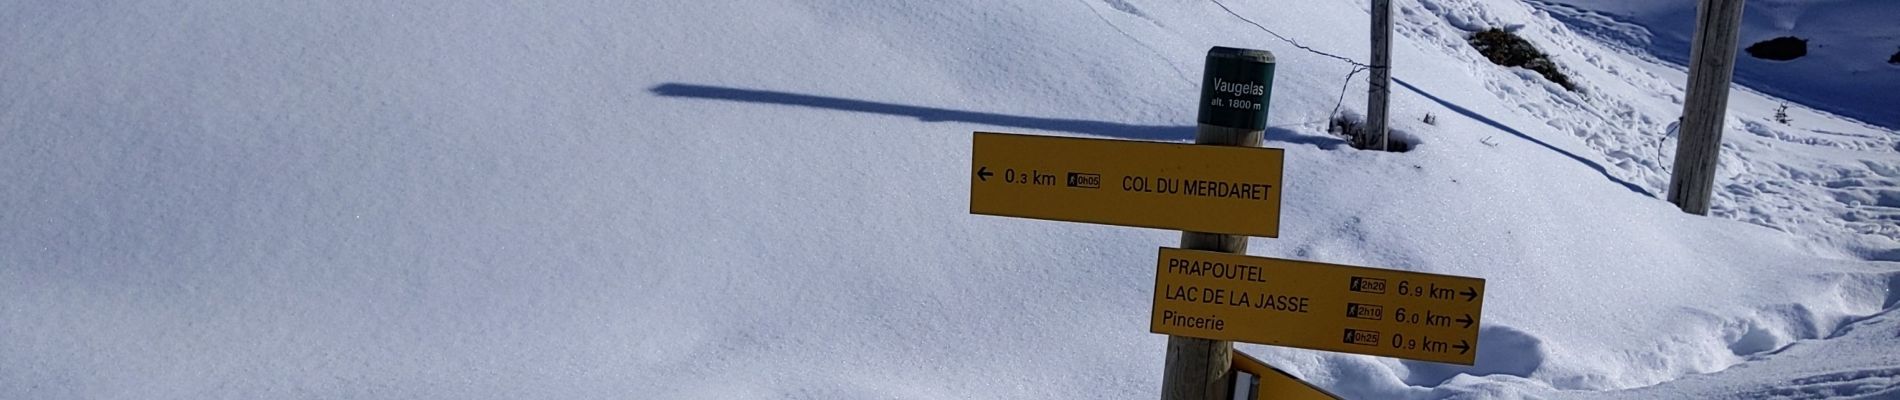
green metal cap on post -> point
(1235, 88)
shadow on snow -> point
(932, 114)
(1495, 124)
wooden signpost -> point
(1218, 191)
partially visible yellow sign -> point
(1202, 188)
(1317, 306)
(1271, 383)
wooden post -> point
(1236, 85)
(1380, 84)
(1711, 67)
(1199, 369)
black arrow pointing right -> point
(1466, 320)
(1470, 293)
(1463, 347)
(984, 173)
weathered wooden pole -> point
(1235, 87)
(1379, 85)
(1711, 67)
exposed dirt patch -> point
(1507, 49)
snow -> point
(1844, 72)
(768, 199)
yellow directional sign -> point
(1317, 306)
(1255, 380)
(1201, 188)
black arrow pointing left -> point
(984, 173)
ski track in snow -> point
(1863, 367)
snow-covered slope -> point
(768, 199)
(1849, 45)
